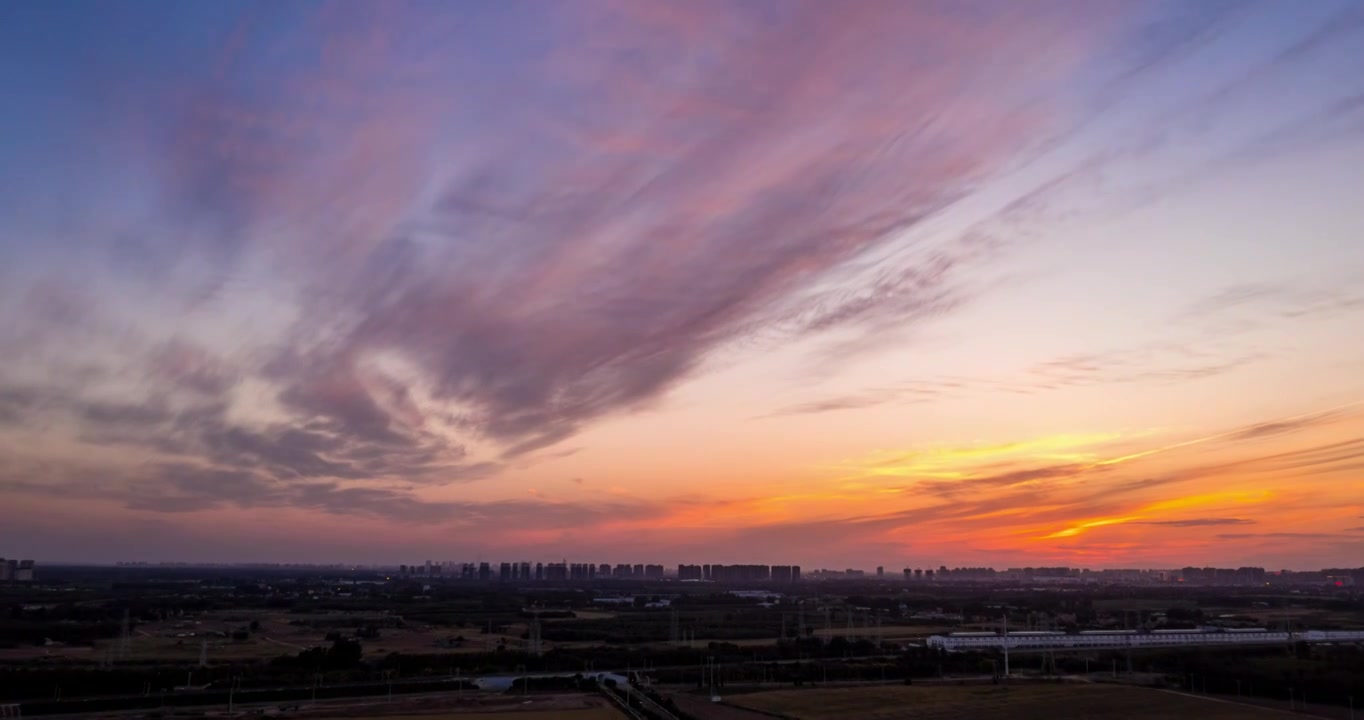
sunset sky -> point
(838, 284)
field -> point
(1019, 702)
(597, 713)
(543, 707)
(277, 634)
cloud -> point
(1158, 363)
(372, 251)
(177, 488)
(1010, 478)
(189, 366)
(614, 225)
(1280, 427)
(1278, 535)
(1197, 522)
(14, 403)
(1241, 307)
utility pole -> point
(1006, 644)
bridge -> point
(1118, 639)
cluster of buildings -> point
(782, 574)
(16, 570)
(739, 573)
(564, 571)
(540, 572)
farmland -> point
(1020, 702)
(125, 638)
(601, 712)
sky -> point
(841, 285)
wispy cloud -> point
(1197, 522)
(1276, 535)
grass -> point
(1018, 702)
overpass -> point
(1118, 639)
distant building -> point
(689, 572)
(485, 572)
(740, 573)
(880, 572)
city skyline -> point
(1045, 283)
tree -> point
(344, 654)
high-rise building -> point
(740, 573)
(25, 571)
(880, 572)
(485, 572)
(795, 573)
(6, 571)
(539, 572)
